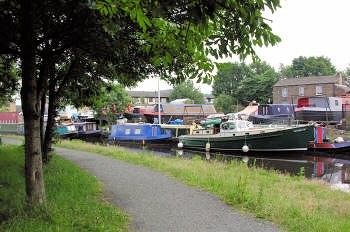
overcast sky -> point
(307, 28)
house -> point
(289, 90)
(149, 97)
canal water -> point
(334, 169)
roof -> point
(249, 110)
(185, 109)
(9, 117)
(308, 80)
(163, 93)
(179, 101)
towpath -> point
(158, 203)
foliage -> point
(309, 66)
(186, 89)
(75, 198)
(225, 103)
(181, 34)
(8, 79)
(346, 75)
(294, 203)
(112, 100)
(244, 83)
(259, 83)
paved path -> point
(158, 203)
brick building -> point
(289, 90)
(149, 97)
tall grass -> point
(294, 203)
(74, 198)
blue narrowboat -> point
(273, 113)
(143, 133)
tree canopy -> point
(243, 83)
(186, 89)
(8, 79)
(225, 103)
(58, 43)
(308, 66)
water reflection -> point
(335, 170)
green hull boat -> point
(243, 136)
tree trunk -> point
(42, 127)
(50, 124)
(35, 188)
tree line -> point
(237, 84)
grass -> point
(74, 198)
(294, 203)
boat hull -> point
(319, 116)
(291, 139)
(333, 148)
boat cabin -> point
(67, 130)
(225, 127)
(276, 109)
(234, 126)
(134, 131)
(330, 103)
(85, 126)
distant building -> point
(9, 117)
(289, 90)
(149, 97)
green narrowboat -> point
(241, 135)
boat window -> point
(228, 126)
(137, 131)
(249, 124)
(127, 131)
(242, 125)
(336, 102)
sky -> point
(307, 28)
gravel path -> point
(158, 203)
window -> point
(228, 126)
(301, 91)
(127, 131)
(137, 131)
(284, 92)
(150, 99)
(319, 90)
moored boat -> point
(241, 135)
(66, 131)
(319, 109)
(138, 133)
(321, 144)
(272, 113)
(87, 130)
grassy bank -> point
(294, 203)
(74, 198)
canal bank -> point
(159, 203)
(294, 203)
